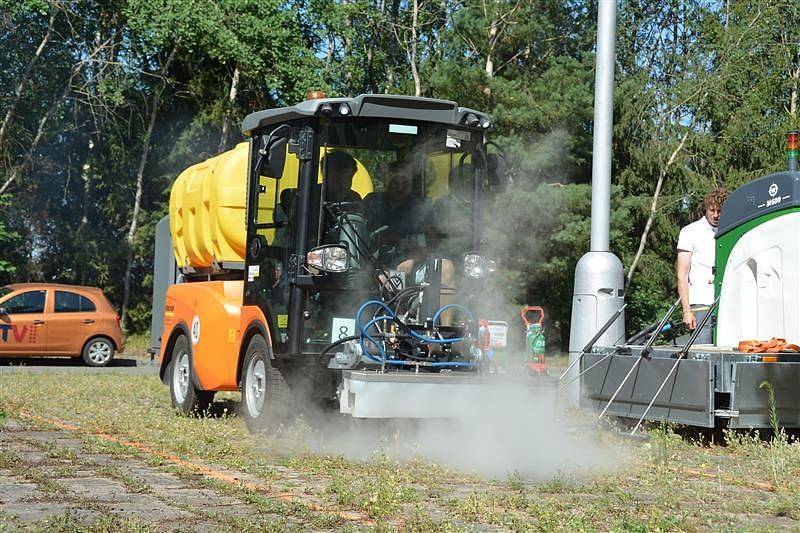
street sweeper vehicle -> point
(753, 363)
(334, 257)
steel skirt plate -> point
(404, 394)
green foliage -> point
(722, 76)
(7, 240)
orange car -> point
(50, 319)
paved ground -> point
(52, 475)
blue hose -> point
(381, 357)
(436, 317)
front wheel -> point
(186, 398)
(98, 352)
(265, 392)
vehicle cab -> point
(357, 199)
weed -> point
(773, 410)
(52, 450)
(379, 494)
(514, 481)
(131, 483)
(9, 460)
(108, 523)
(477, 507)
(778, 446)
(44, 483)
(422, 522)
(556, 485)
(785, 504)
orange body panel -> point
(53, 331)
(210, 311)
(252, 314)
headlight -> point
(332, 258)
(476, 266)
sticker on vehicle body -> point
(342, 327)
(195, 329)
(253, 271)
(405, 129)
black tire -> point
(266, 396)
(186, 398)
(98, 351)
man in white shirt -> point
(695, 265)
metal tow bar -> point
(645, 352)
(681, 354)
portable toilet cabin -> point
(758, 261)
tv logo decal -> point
(18, 333)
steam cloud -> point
(515, 427)
(510, 429)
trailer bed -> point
(712, 387)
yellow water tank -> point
(208, 203)
(207, 210)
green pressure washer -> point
(534, 338)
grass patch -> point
(131, 482)
(71, 522)
(137, 344)
(666, 483)
(379, 494)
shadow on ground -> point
(63, 361)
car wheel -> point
(98, 352)
(186, 398)
(265, 392)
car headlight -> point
(476, 266)
(331, 258)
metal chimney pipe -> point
(599, 290)
(603, 124)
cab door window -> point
(69, 302)
(30, 302)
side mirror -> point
(257, 247)
(272, 157)
(328, 258)
(3, 311)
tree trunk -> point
(413, 51)
(223, 140)
(24, 79)
(490, 52)
(36, 139)
(126, 291)
(653, 206)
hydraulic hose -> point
(381, 357)
(436, 317)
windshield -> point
(406, 188)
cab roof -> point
(374, 106)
